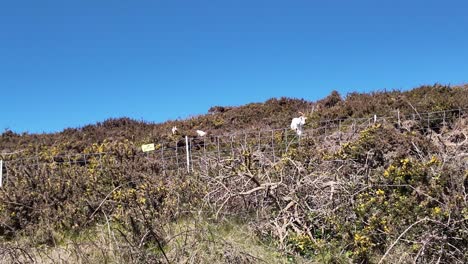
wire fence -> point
(266, 146)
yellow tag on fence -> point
(147, 147)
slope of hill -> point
(353, 189)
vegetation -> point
(385, 192)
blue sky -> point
(72, 63)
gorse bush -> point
(408, 191)
(46, 199)
(342, 193)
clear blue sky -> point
(72, 63)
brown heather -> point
(350, 191)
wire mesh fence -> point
(215, 151)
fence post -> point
(191, 155)
(286, 139)
(399, 121)
(245, 140)
(273, 145)
(339, 130)
(443, 121)
(219, 156)
(259, 142)
(162, 159)
(188, 155)
(217, 148)
(205, 156)
(232, 148)
(1, 173)
(428, 123)
(459, 114)
(177, 158)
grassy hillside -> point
(348, 191)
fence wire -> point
(266, 146)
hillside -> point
(272, 114)
(376, 178)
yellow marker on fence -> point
(147, 147)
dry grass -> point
(191, 240)
(200, 241)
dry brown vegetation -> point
(350, 190)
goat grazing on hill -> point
(201, 133)
(174, 130)
(297, 124)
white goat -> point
(297, 124)
(174, 130)
(201, 133)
